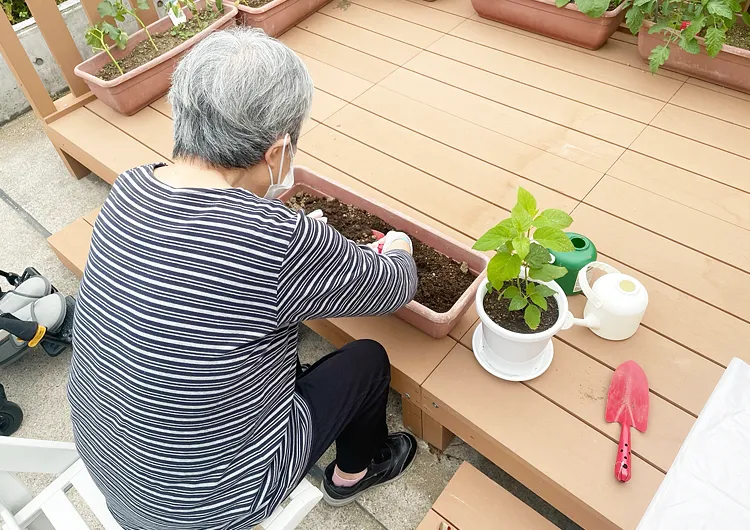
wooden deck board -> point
(556, 109)
(568, 85)
(573, 60)
(683, 187)
(516, 125)
(498, 150)
(440, 114)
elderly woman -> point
(188, 404)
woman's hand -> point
(393, 241)
(318, 215)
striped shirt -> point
(182, 382)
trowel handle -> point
(583, 280)
(623, 465)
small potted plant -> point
(520, 306)
(585, 23)
(137, 69)
(276, 16)
(707, 39)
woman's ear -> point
(273, 156)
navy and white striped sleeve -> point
(326, 275)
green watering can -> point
(584, 253)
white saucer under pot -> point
(516, 356)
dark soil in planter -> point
(144, 51)
(442, 280)
(498, 310)
(254, 3)
(739, 35)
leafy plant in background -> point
(592, 8)
(522, 244)
(683, 21)
(118, 10)
(96, 38)
(17, 10)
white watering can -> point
(615, 303)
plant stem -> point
(114, 61)
(145, 29)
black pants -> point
(347, 393)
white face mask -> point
(280, 186)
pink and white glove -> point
(384, 242)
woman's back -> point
(182, 384)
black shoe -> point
(394, 460)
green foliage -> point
(522, 245)
(95, 37)
(592, 8)
(683, 22)
(17, 10)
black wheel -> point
(11, 417)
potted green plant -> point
(137, 69)
(276, 16)
(707, 39)
(521, 306)
(585, 23)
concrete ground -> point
(39, 197)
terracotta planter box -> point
(278, 16)
(566, 24)
(435, 324)
(730, 68)
(131, 92)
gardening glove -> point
(383, 244)
(318, 215)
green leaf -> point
(592, 8)
(553, 238)
(561, 3)
(547, 273)
(690, 45)
(659, 27)
(694, 28)
(519, 302)
(746, 18)
(720, 9)
(539, 300)
(658, 57)
(521, 218)
(538, 255)
(526, 200)
(496, 236)
(511, 292)
(544, 291)
(503, 267)
(530, 288)
(553, 217)
(143, 5)
(521, 245)
(106, 9)
(715, 38)
(532, 316)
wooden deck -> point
(426, 107)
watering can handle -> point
(583, 280)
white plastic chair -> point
(51, 509)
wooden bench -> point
(442, 115)
(471, 501)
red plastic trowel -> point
(627, 404)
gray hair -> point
(235, 94)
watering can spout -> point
(591, 321)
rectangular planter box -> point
(730, 68)
(131, 92)
(437, 325)
(278, 16)
(566, 24)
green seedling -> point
(522, 244)
(118, 10)
(96, 35)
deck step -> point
(471, 501)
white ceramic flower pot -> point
(517, 356)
